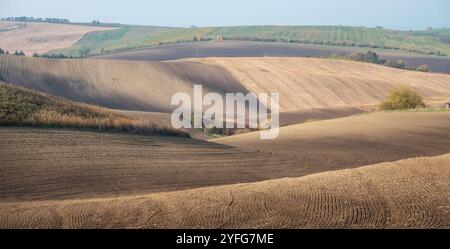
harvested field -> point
(57, 164)
(412, 193)
(306, 178)
(303, 83)
(136, 86)
(42, 164)
(129, 37)
(317, 114)
(356, 140)
(438, 64)
(41, 37)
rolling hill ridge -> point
(303, 83)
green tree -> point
(396, 64)
(358, 57)
(372, 57)
(401, 99)
(19, 53)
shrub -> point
(56, 56)
(19, 53)
(400, 64)
(358, 57)
(401, 99)
(372, 57)
(423, 68)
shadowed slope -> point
(148, 86)
(143, 86)
(357, 140)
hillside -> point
(303, 83)
(368, 138)
(316, 83)
(111, 165)
(436, 64)
(23, 107)
(40, 38)
(411, 193)
(135, 37)
(338, 35)
(126, 37)
(135, 86)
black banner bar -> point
(227, 238)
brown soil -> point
(412, 193)
(40, 164)
(303, 83)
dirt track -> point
(413, 193)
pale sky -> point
(395, 14)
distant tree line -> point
(94, 22)
(32, 19)
(369, 57)
(329, 43)
(16, 53)
(372, 57)
(54, 56)
(36, 55)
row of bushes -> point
(372, 57)
(193, 39)
(55, 56)
(329, 43)
(17, 52)
(21, 53)
(33, 19)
